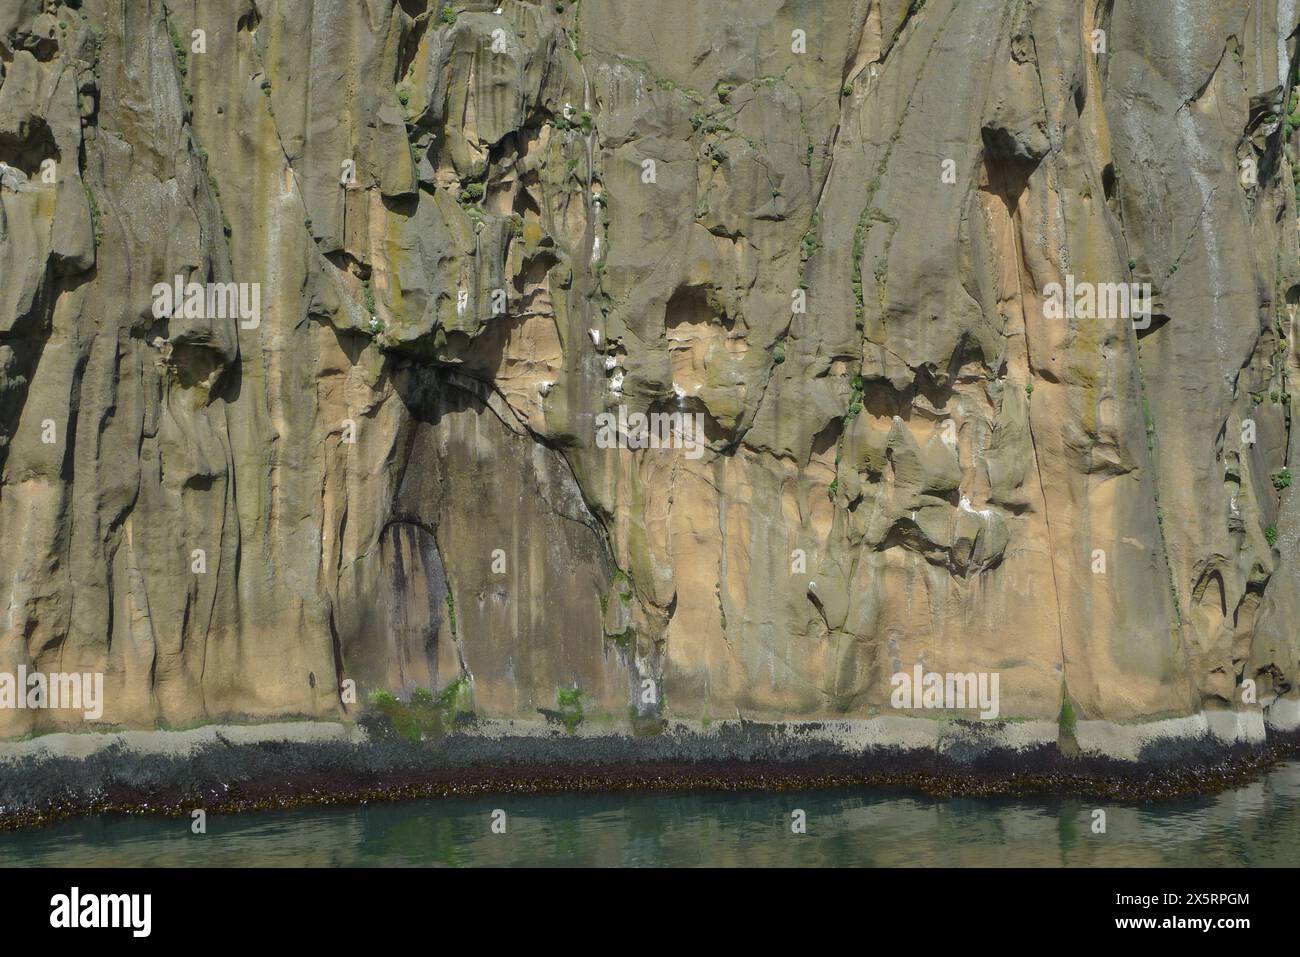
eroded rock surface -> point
(828, 228)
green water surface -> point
(1258, 825)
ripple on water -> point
(1257, 824)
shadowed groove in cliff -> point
(462, 486)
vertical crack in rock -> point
(327, 328)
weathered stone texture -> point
(918, 467)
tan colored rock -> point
(474, 233)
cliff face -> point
(829, 228)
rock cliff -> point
(435, 244)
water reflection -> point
(1258, 824)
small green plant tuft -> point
(425, 716)
(569, 703)
(470, 194)
(856, 400)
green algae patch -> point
(568, 702)
(1066, 723)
